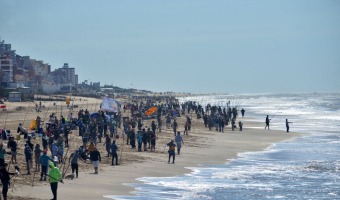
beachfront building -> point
(14, 96)
(69, 73)
(6, 71)
(22, 71)
(7, 61)
(51, 88)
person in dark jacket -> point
(114, 152)
(153, 127)
(148, 136)
(28, 157)
(242, 112)
(107, 144)
(133, 139)
(29, 143)
(153, 141)
(144, 140)
(287, 125)
(12, 144)
(267, 122)
(37, 154)
(175, 126)
(44, 139)
(5, 179)
(95, 159)
(139, 140)
(74, 161)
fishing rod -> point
(23, 125)
(47, 110)
(164, 148)
(61, 181)
(122, 145)
(6, 119)
(68, 141)
(64, 170)
(231, 101)
(17, 172)
(3, 110)
(280, 108)
(61, 109)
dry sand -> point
(200, 147)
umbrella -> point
(94, 115)
(150, 111)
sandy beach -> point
(201, 147)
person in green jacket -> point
(55, 177)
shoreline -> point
(201, 148)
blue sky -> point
(184, 46)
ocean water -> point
(307, 167)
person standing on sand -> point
(153, 127)
(159, 125)
(12, 144)
(242, 112)
(114, 152)
(127, 133)
(168, 121)
(185, 128)
(205, 120)
(175, 126)
(240, 124)
(233, 123)
(189, 125)
(37, 153)
(179, 141)
(91, 147)
(153, 141)
(139, 141)
(221, 124)
(55, 177)
(28, 157)
(287, 125)
(5, 179)
(74, 162)
(107, 144)
(133, 138)
(44, 164)
(95, 159)
(144, 139)
(148, 134)
(54, 150)
(61, 153)
(267, 122)
(171, 151)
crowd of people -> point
(135, 127)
